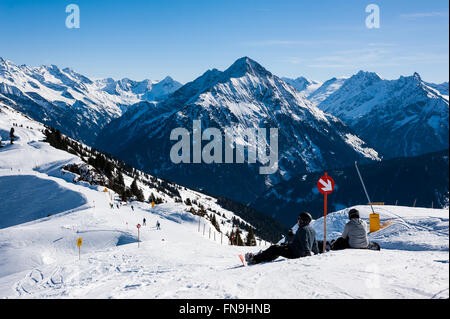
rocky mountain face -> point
(245, 96)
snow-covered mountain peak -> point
(363, 78)
(412, 113)
(244, 66)
(5, 62)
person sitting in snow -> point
(354, 235)
(302, 245)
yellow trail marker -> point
(105, 190)
(153, 204)
(374, 222)
(79, 244)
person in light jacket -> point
(354, 235)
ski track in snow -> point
(39, 259)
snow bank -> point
(407, 228)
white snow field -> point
(43, 213)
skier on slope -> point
(143, 222)
(354, 235)
(158, 225)
(303, 244)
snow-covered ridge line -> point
(71, 101)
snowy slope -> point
(72, 102)
(316, 91)
(39, 258)
(410, 229)
(441, 88)
(303, 85)
(326, 89)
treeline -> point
(234, 237)
(113, 169)
(265, 226)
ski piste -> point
(40, 258)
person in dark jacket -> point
(303, 244)
(290, 237)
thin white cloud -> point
(290, 43)
(424, 15)
(381, 44)
(292, 60)
(372, 58)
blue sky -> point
(155, 38)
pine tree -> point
(239, 240)
(136, 191)
(152, 198)
(235, 237)
(214, 222)
(120, 181)
(123, 195)
(250, 240)
(11, 135)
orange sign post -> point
(326, 186)
(138, 226)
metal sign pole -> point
(325, 224)
(364, 186)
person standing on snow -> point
(354, 235)
(158, 225)
(143, 222)
(302, 245)
(132, 208)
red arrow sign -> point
(325, 184)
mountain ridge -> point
(245, 95)
(71, 101)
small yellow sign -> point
(153, 204)
(79, 242)
(374, 222)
